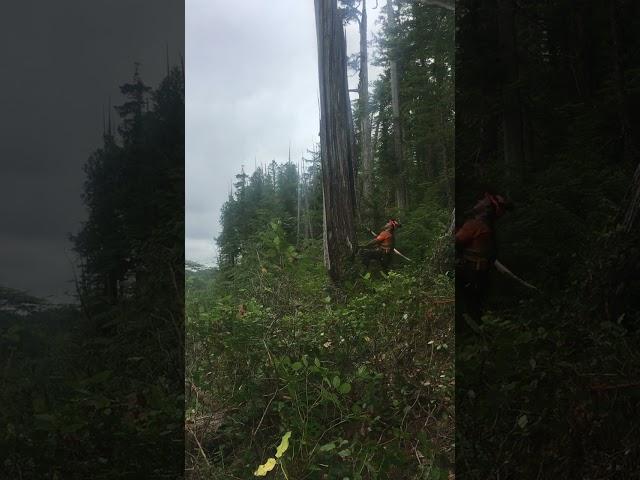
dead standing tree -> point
(336, 140)
(631, 209)
(401, 185)
(365, 116)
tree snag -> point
(336, 140)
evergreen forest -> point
(301, 362)
(94, 389)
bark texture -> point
(401, 183)
(633, 206)
(336, 140)
(365, 117)
(512, 108)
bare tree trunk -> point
(447, 170)
(442, 255)
(633, 205)
(376, 134)
(629, 150)
(325, 236)
(299, 202)
(365, 117)
(428, 161)
(512, 115)
(447, 174)
(452, 223)
(336, 140)
(305, 196)
(401, 183)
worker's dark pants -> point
(377, 255)
(471, 292)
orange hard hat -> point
(499, 203)
(393, 223)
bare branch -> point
(446, 4)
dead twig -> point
(255, 431)
(601, 387)
(195, 437)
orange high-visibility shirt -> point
(385, 239)
(475, 236)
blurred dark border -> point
(92, 240)
(547, 97)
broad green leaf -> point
(522, 421)
(284, 444)
(296, 366)
(262, 470)
(327, 447)
(345, 388)
(336, 381)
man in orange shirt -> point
(476, 252)
(384, 244)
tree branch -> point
(446, 4)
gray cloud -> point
(61, 62)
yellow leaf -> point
(284, 444)
(266, 468)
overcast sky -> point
(251, 89)
(60, 62)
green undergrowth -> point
(78, 404)
(362, 376)
(549, 384)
